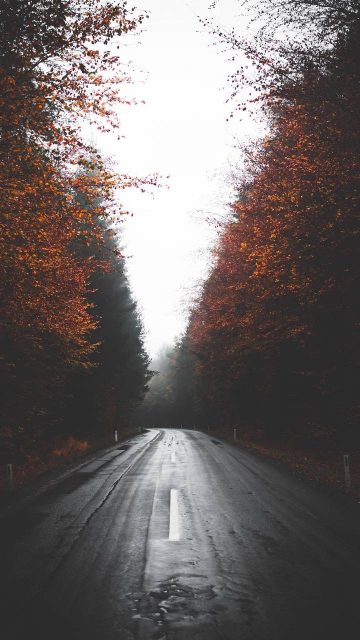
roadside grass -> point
(50, 455)
(322, 466)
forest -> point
(272, 343)
(73, 363)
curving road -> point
(176, 535)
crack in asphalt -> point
(85, 525)
(41, 590)
(248, 562)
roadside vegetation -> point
(272, 347)
(72, 357)
(276, 331)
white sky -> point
(181, 132)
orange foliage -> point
(57, 70)
(55, 66)
(287, 268)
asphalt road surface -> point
(179, 536)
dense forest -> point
(72, 353)
(276, 331)
(273, 342)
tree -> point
(276, 328)
(171, 398)
(57, 67)
(104, 398)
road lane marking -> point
(174, 525)
(173, 457)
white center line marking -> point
(173, 458)
(174, 526)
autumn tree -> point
(57, 69)
(276, 330)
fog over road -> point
(178, 535)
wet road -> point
(180, 536)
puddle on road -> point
(178, 607)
